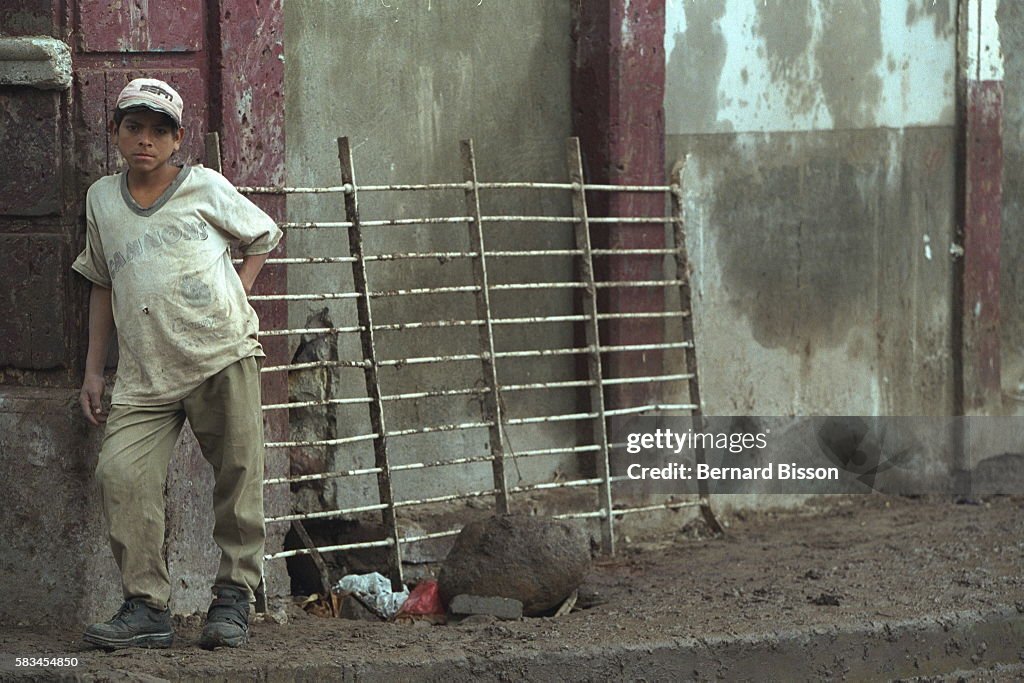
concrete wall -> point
(51, 526)
(819, 148)
(55, 564)
(1011, 36)
(406, 81)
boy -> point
(158, 255)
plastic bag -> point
(425, 599)
(374, 591)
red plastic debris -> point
(425, 599)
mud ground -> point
(811, 576)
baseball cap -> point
(154, 94)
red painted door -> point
(117, 41)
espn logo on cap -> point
(153, 94)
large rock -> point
(536, 560)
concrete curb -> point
(36, 61)
(927, 646)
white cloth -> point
(179, 306)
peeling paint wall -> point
(798, 65)
(406, 80)
(819, 146)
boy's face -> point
(146, 140)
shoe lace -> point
(126, 608)
(229, 609)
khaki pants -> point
(224, 412)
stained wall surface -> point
(406, 81)
(817, 147)
(1011, 37)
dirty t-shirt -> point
(179, 306)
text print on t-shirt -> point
(156, 238)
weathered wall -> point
(819, 146)
(51, 537)
(55, 564)
(1011, 36)
(406, 81)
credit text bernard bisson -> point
(663, 441)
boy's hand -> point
(251, 266)
(91, 400)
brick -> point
(502, 608)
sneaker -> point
(227, 621)
(136, 624)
